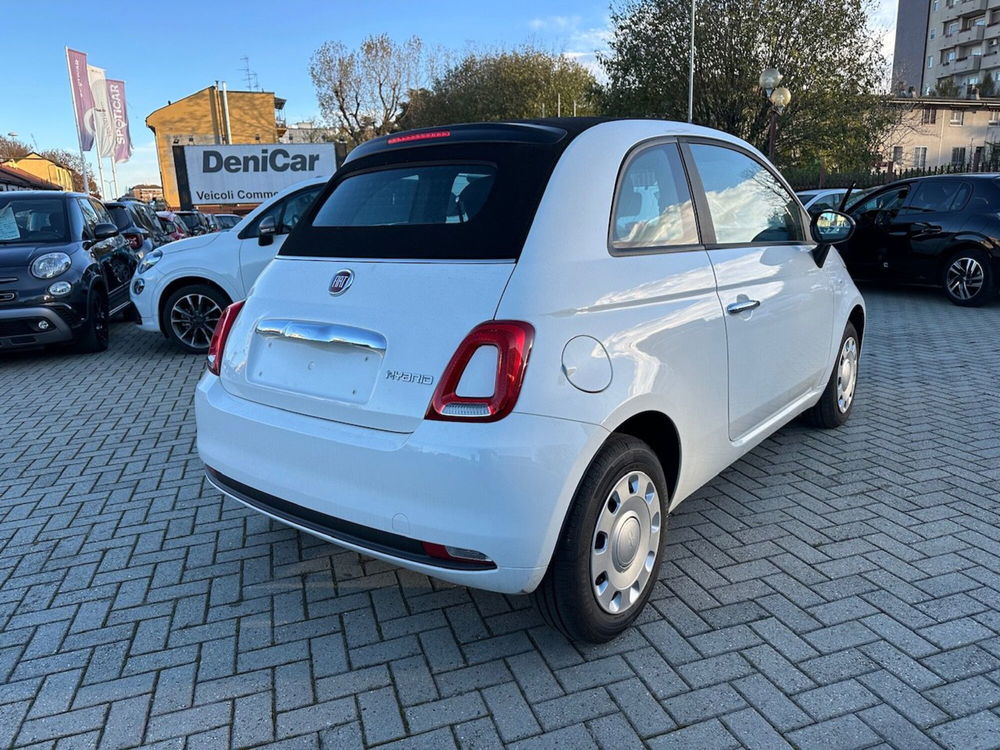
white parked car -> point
(502, 354)
(181, 289)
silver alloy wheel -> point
(625, 543)
(193, 319)
(965, 278)
(847, 374)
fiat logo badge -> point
(341, 282)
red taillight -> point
(512, 340)
(220, 335)
(419, 136)
(134, 240)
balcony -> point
(970, 35)
(963, 9)
(966, 64)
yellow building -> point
(46, 169)
(201, 120)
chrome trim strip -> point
(321, 333)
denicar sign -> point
(251, 173)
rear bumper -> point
(501, 489)
(19, 327)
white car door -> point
(778, 303)
(255, 256)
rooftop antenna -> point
(249, 75)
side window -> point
(887, 201)
(295, 208)
(747, 203)
(653, 204)
(103, 217)
(90, 218)
(936, 196)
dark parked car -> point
(64, 270)
(172, 225)
(227, 221)
(138, 224)
(195, 221)
(942, 230)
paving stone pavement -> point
(833, 589)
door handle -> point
(744, 306)
(322, 333)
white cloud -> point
(554, 23)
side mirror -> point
(266, 230)
(829, 228)
(105, 231)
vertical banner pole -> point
(79, 139)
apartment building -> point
(213, 116)
(948, 46)
(941, 132)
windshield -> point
(32, 219)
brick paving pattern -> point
(832, 590)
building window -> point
(929, 115)
(994, 117)
(897, 155)
(957, 117)
(920, 157)
(936, 5)
(930, 62)
(950, 57)
(958, 156)
(933, 34)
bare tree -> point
(362, 91)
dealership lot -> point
(836, 589)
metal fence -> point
(809, 179)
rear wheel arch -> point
(660, 433)
(180, 283)
(857, 317)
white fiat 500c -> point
(501, 354)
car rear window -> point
(463, 201)
(121, 217)
(443, 194)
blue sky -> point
(166, 51)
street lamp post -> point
(778, 98)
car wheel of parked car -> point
(968, 278)
(95, 334)
(191, 314)
(835, 405)
(607, 558)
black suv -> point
(64, 270)
(942, 230)
(138, 224)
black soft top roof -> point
(523, 153)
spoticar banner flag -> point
(122, 149)
(104, 128)
(83, 97)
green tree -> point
(504, 85)
(988, 87)
(946, 88)
(831, 62)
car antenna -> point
(843, 201)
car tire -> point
(837, 402)
(190, 315)
(95, 334)
(968, 278)
(614, 532)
